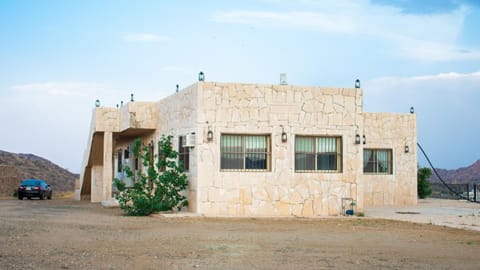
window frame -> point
(375, 164)
(183, 153)
(119, 161)
(338, 154)
(244, 153)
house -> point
(263, 150)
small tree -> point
(423, 185)
(160, 188)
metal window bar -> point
(377, 161)
(245, 152)
(318, 154)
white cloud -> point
(145, 37)
(306, 20)
(436, 81)
(446, 109)
(428, 37)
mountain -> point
(16, 167)
(466, 175)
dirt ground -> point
(66, 234)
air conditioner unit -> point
(190, 140)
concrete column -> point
(97, 183)
(107, 174)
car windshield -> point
(31, 183)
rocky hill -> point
(470, 174)
(24, 166)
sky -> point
(58, 57)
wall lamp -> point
(201, 76)
(209, 134)
(126, 153)
(284, 135)
(407, 149)
(357, 83)
(357, 139)
(97, 103)
(131, 97)
(412, 110)
(364, 139)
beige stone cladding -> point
(270, 109)
(174, 115)
(395, 132)
(124, 122)
(9, 180)
(178, 117)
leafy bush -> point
(15, 193)
(423, 185)
(160, 188)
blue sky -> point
(58, 57)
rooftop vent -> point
(283, 78)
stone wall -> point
(392, 131)
(174, 115)
(9, 180)
(269, 109)
(138, 115)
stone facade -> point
(9, 180)
(267, 110)
(392, 131)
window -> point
(377, 161)
(151, 147)
(318, 154)
(161, 159)
(183, 153)
(245, 152)
(119, 160)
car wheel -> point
(42, 196)
(20, 197)
(50, 196)
(29, 198)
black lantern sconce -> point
(412, 110)
(407, 149)
(284, 135)
(97, 103)
(131, 97)
(364, 139)
(201, 76)
(209, 134)
(176, 88)
(126, 153)
(357, 139)
(357, 83)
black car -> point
(34, 188)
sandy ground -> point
(66, 234)
(450, 213)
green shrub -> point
(160, 188)
(15, 193)
(423, 185)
